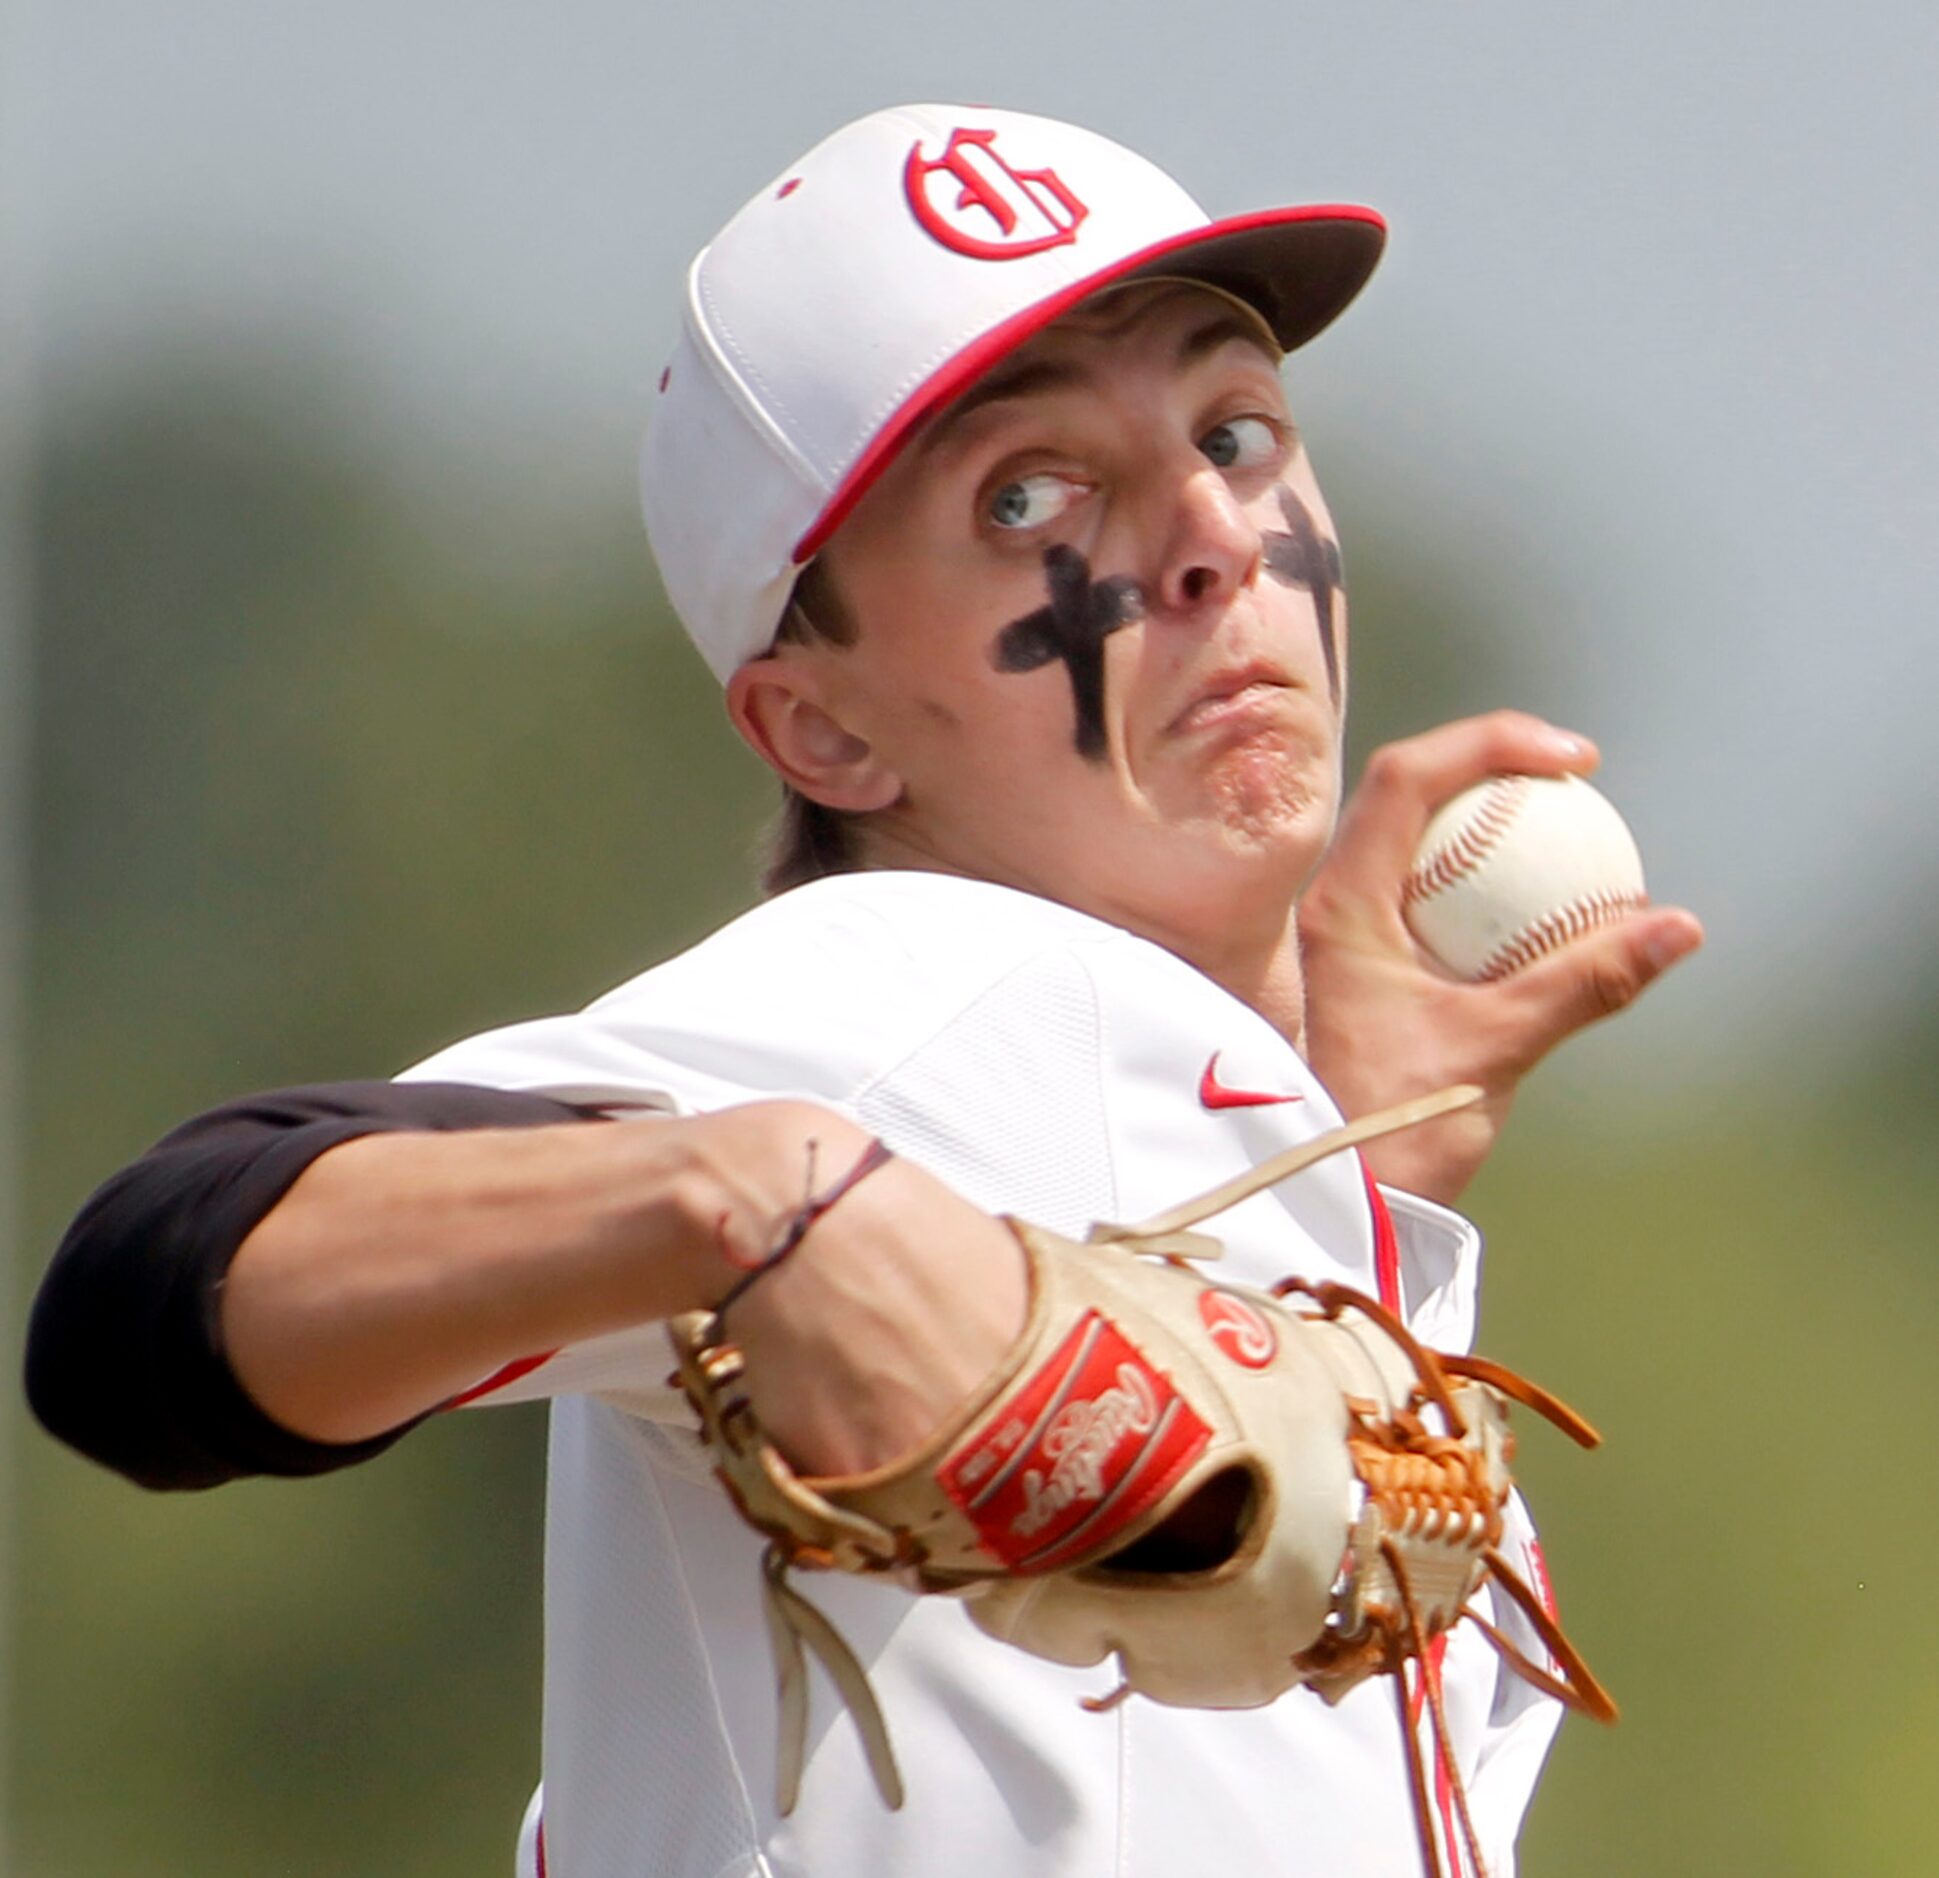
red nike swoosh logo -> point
(1217, 1095)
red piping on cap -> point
(957, 374)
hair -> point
(808, 840)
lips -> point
(1230, 693)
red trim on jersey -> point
(1386, 1269)
(501, 1378)
(1538, 1576)
(957, 374)
(1386, 1246)
(1538, 1569)
(540, 1842)
(1443, 1798)
(1443, 1788)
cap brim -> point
(1300, 267)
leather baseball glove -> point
(1232, 1491)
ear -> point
(779, 709)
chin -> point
(1262, 800)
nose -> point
(1212, 547)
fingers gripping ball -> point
(1515, 867)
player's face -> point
(1100, 634)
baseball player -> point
(973, 479)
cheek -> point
(1300, 478)
(973, 728)
(1008, 756)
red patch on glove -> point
(1090, 1442)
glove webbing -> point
(1398, 1463)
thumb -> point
(1598, 975)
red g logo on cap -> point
(993, 212)
(1238, 1328)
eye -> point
(1031, 501)
(1240, 443)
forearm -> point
(124, 1358)
(403, 1269)
(284, 1285)
(400, 1269)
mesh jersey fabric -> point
(1044, 1063)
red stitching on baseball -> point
(1470, 844)
(1557, 928)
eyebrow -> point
(1215, 333)
(1031, 376)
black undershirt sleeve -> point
(124, 1348)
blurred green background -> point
(356, 725)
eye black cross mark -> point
(1303, 557)
(1081, 615)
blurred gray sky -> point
(1654, 335)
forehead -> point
(1156, 332)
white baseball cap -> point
(872, 283)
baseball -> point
(1515, 867)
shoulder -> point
(820, 992)
(939, 936)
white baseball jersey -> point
(1050, 1065)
